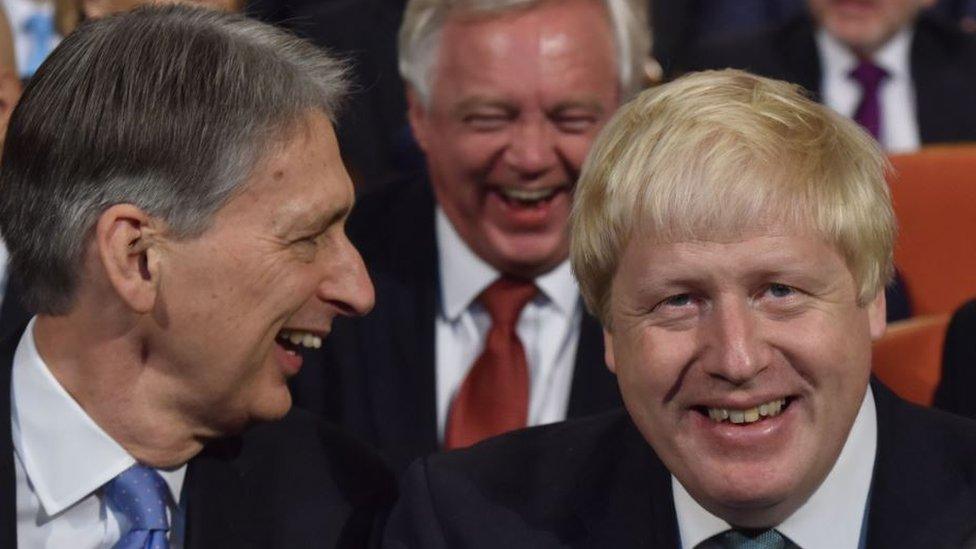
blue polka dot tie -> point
(141, 495)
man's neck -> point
(113, 378)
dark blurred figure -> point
(963, 11)
(373, 134)
(955, 391)
(681, 24)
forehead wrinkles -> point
(538, 42)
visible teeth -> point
(305, 339)
(527, 195)
(750, 415)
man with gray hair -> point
(479, 328)
(174, 201)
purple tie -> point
(868, 114)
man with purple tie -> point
(907, 76)
(173, 200)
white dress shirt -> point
(899, 118)
(62, 459)
(831, 518)
(548, 327)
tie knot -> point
(868, 75)
(141, 495)
(747, 539)
(505, 298)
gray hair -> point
(423, 21)
(166, 108)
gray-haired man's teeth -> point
(305, 339)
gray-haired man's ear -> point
(126, 244)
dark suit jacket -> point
(13, 316)
(957, 388)
(596, 483)
(377, 379)
(943, 66)
(297, 482)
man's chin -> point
(752, 503)
(528, 256)
(274, 408)
(270, 407)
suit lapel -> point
(594, 388)
(403, 387)
(214, 496)
(625, 496)
(918, 498)
(8, 480)
(943, 90)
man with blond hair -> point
(479, 327)
(734, 239)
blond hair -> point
(715, 154)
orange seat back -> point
(934, 195)
(908, 358)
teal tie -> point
(748, 539)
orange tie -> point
(494, 398)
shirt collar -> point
(839, 501)
(464, 275)
(65, 454)
(893, 57)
